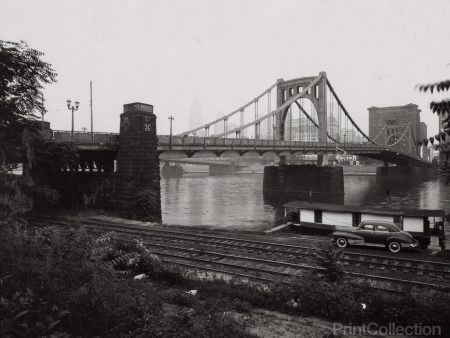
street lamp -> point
(72, 108)
(171, 118)
(274, 126)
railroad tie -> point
(406, 268)
(346, 258)
(420, 269)
(394, 265)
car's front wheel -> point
(394, 246)
(341, 242)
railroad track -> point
(260, 260)
(404, 265)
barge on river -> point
(423, 224)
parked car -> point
(374, 233)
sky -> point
(179, 55)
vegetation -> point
(67, 282)
(146, 206)
(23, 75)
(442, 109)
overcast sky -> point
(221, 54)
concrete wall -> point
(90, 189)
(413, 224)
(337, 218)
(307, 216)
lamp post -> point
(72, 108)
(171, 118)
(274, 126)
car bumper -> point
(414, 244)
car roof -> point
(378, 222)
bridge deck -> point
(191, 145)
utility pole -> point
(92, 119)
(171, 118)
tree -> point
(442, 109)
(23, 74)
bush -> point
(328, 257)
(67, 282)
(147, 206)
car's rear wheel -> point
(394, 246)
(341, 242)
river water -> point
(238, 202)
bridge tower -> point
(138, 177)
(317, 95)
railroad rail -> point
(264, 260)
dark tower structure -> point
(138, 188)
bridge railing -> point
(206, 142)
(85, 137)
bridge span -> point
(108, 143)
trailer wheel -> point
(341, 242)
(394, 246)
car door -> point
(380, 234)
(367, 233)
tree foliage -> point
(442, 109)
(23, 75)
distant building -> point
(395, 115)
(424, 135)
(423, 131)
(303, 130)
(219, 127)
(195, 115)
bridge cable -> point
(415, 143)
(347, 114)
(279, 109)
(206, 125)
(312, 121)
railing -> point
(85, 137)
(231, 143)
(239, 142)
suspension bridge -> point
(302, 115)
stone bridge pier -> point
(305, 180)
(218, 170)
(138, 178)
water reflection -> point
(238, 202)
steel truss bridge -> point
(298, 116)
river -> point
(237, 201)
